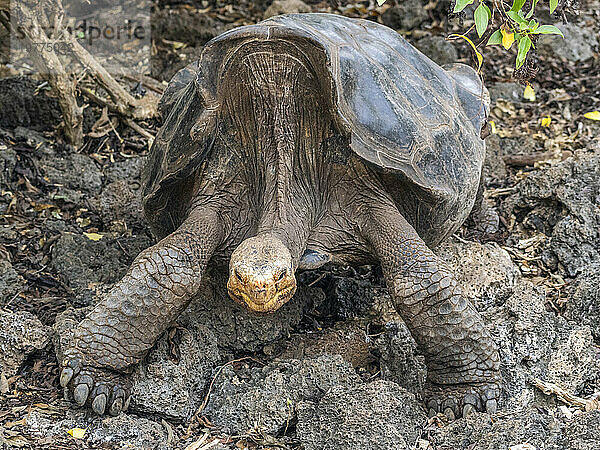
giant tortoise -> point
(303, 140)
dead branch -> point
(37, 17)
(527, 160)
(48, 64)
(123, 102)
(566, 397)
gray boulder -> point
(74, 174)
(21, 333)
(11, 282)
(584, 306)
(121, 432)
(579, 43)
(378, 415)
(405, 15)
(438, 49)
(286, 7)
(575, 365)
(265, 399)
(172, 385)
(562, 202)
(537, 427)
(485, 272)
(83, 263)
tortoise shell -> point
(415, 122)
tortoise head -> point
(261, 274)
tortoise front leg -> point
(121, 329)
(461, 358)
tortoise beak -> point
(261, 274)
(259, 294)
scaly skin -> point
(462, 360)
(120, 330)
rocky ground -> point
(336, 368)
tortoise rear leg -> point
(121, 329)
(462, 360)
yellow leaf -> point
(83, 221)
(546, 121)
(594, 115)
(77, 433)
(493, 127)
(529, 93)
(479, 55)
(507, 38)
(93, 236)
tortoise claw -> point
(491, 406)
(462, 400)
(99, 404)
(468, 409)
(102, 390)
(449, 414)
(116, 407)
(80, 394)
(65, 376)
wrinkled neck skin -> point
(277, 115)
(278, 119)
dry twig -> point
(566, 397)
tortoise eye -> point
(238, 276)
(281, 275)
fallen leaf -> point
(529, 93)
(77, 433)
(83, 221)
(493, 127)
(93, 236)
(546, 121)
(22, 421)
(593, 115)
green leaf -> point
(495, 38)
(381, 2)
(482, 18)
(461, 4)
(524, 46)
(533, 5)
(548, 29)
(517, 5)
(517, 18)
(553, 5)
